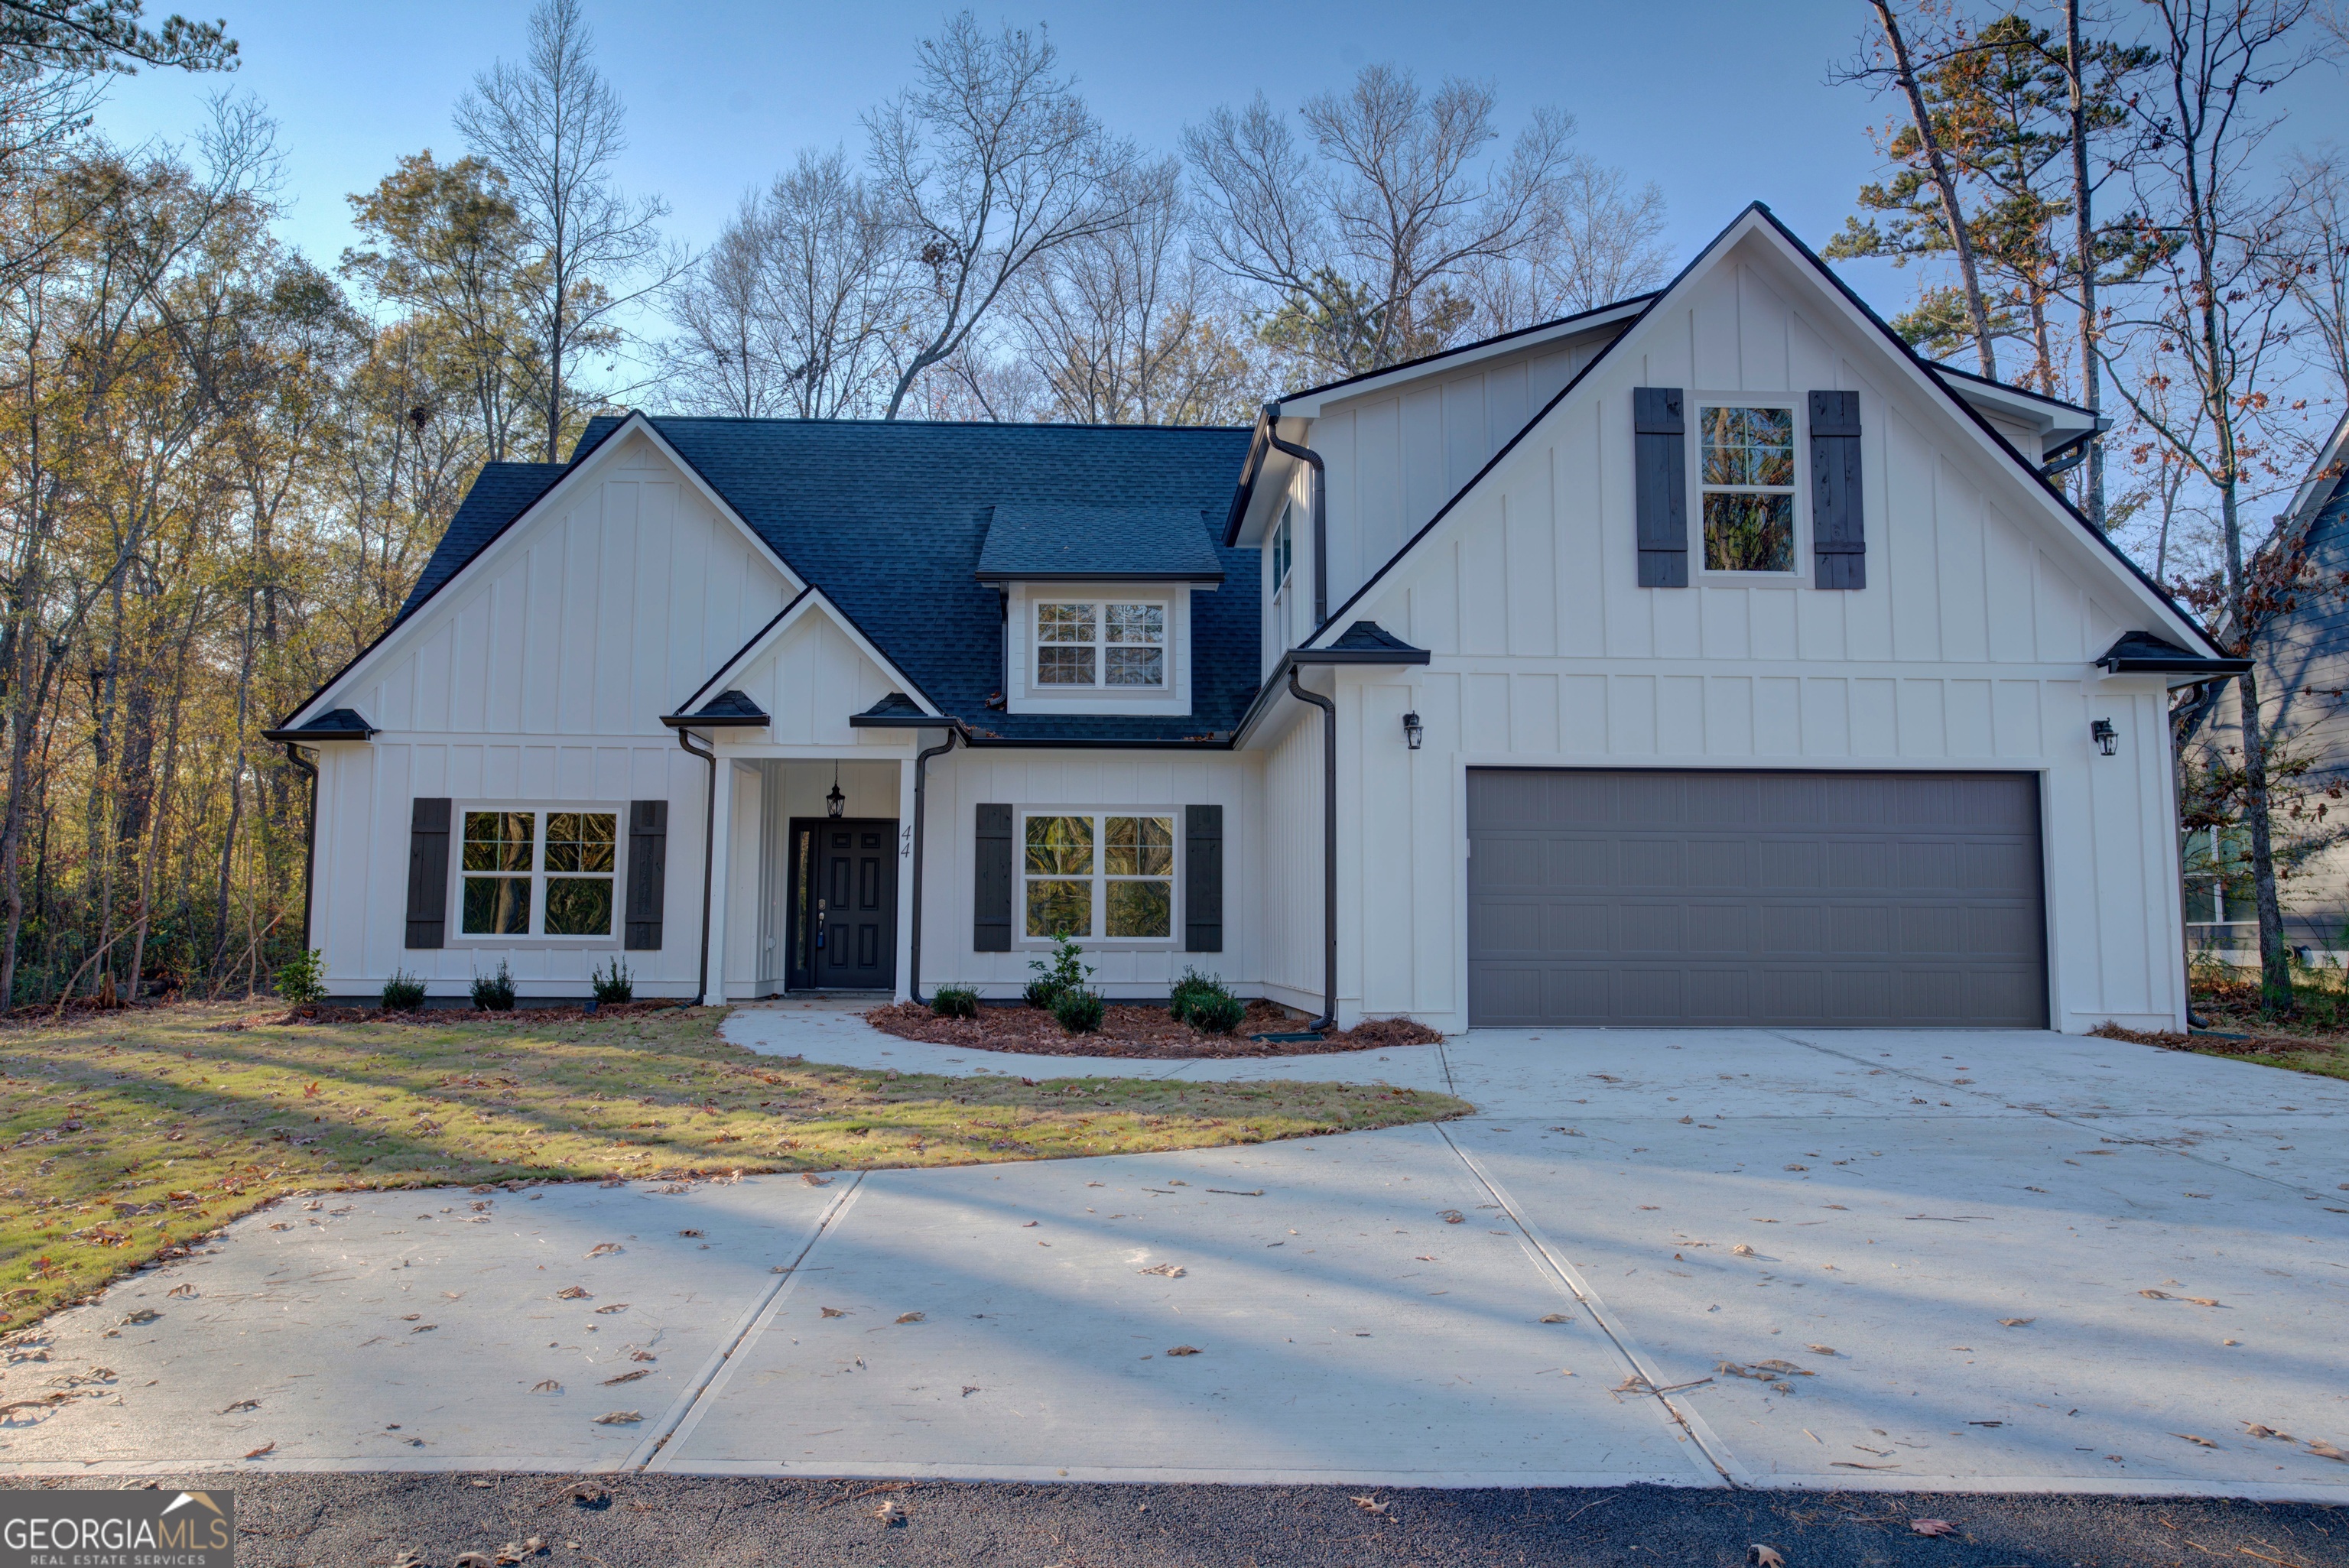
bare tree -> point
(1130, 327)
(2321, 284)
(2221, 270)
(1598, 240)
(990, 163)
(1367, 245)
(554, 126)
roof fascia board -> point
(1099, 576)
(555, 496)
(1309, 403)
(809, 600)
(2044, 415)
(2001, 453)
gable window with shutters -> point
(531, 872)
(1099, 876)
(1746, 486)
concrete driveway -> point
(1545, 1293)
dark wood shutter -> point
(1660, 475)
(1202, 879)
(990, 918)
(647, 892)
(1838, 539)
(427, 874)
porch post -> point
(721, 816)
(905, 879)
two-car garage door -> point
(1605, 896)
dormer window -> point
(1120, 644)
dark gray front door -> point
(844, 905)
(1603, 896)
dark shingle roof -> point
(895, 709)
(1370, 637)
(889, 518)
(334, 724)
(1159, 544)
(501, 493)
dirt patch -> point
(1135, 1031)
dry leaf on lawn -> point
(890, 1513)
(618, 1418)
(1372, 1505)
(1184, 1350)
(1172, 1270)
(1932, 1527)
(909, 1317)
(1759, 1556)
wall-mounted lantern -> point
(2105, 736)
(835, 802)
(1412, 730)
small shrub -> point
(403, 993)
(495, 992)
(1078, 1010)
(1067, 970)
(618, 985)
(1041, 991)
(299, 979)
(1192, 992)
(955, 1002)
(1219, 1014)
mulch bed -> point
(1134, 1031)
(2215, 1045)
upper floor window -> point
(539, 873)
(1098, 644)
(1745, 469)
(1281, 549)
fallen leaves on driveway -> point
(619, 1418)
(547, 1385)
(572, 1293)
(628, 1376)
(2016, 1322)
(2190, 1437)
(1184, 1350)
(909, 1317)
(267, 1447)
(603, 1249)
(1171, 1271)
(833, 1311)
(1556, 1317)
(1451, 1216)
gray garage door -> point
(1839, 899)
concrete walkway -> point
(1845, 1218)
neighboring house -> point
(1708, 658)
(2302, 660)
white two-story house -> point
(1705, 659)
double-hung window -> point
(1102, 875)
(1101, 644)
(539, 873)
(1746, 480)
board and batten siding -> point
(1969, 648)
(540, 674)
(962, 780)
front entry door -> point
(844, 904)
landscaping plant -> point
(495, 992)
(299, 979)
(1067, 970)
(403, 993)
(1205, 1002)
(955, 1002)
(1078, 1009)
(618, 985)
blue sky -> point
(1718, 103)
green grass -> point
(125, 1135)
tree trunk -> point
(2084, 229)
(1976, 314)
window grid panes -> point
(544, 874)
(1746, 467)
(1101, 644)
(1280, 552)
(1098, 876)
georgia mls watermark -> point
(142, 1529)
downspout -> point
(921, 815)
(708, 857)
(1320, 513)
(309, 846)
(1329, 1018)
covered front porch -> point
(811, 871)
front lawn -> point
(127, 1135)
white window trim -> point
(1797, 575)
(1021, 693)
(454, 934)
(1099, 607)
(1171, 941)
